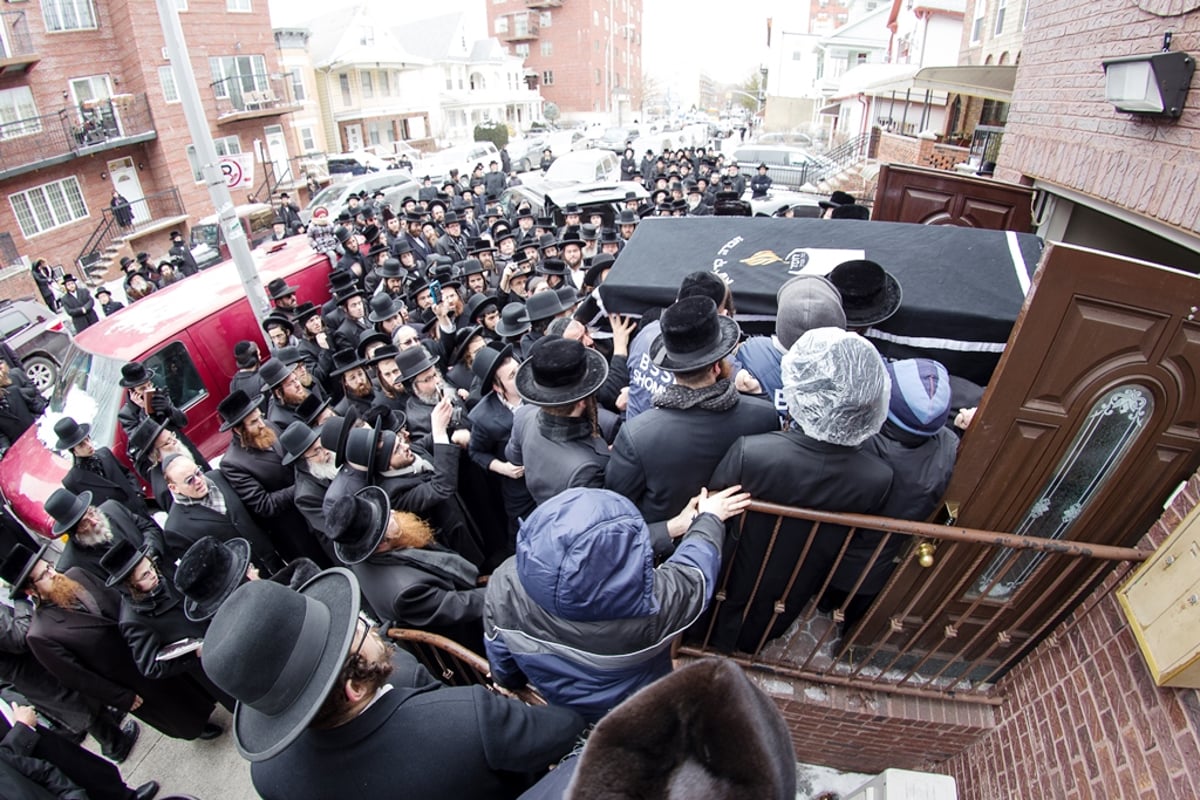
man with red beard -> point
(75, 634)
(404, 574)
(91, 530)
(254, 467)
(356, 383)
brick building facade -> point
(586, 56)
(96, 108)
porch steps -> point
(108, 256)
(857, 179)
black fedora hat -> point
(134, 373)
(279, 288)
(273, 372)
(571, 235)
(357, 524)
(413, 361)
(17, 566)
(553, 266)
(383, 306)
(335, 433)
(290, 356)
(628, 217)
(311, 406)
(870, 294)
(344, 361)
(66, 508)
(838, 198)
(142, 440)
(279, 652)
(295, 440)
(514, 320)
(476, 303)
(486, 362)
(277, 320)
(121, 559)
(462, 338)
(364, 445)
(471, 266)
(479, 245)
(392, 268)
(545, 305)
(560, 371)
(341, 279)
(547, 240)
(209, 572)
(368, 338)
(609, 236)
(236, 407)
(693, 336)
(389, 350)
(571, 208)
(70, 433)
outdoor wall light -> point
(1153, 85)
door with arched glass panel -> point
(1091, 420)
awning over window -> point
(833, 109)
(991, 82)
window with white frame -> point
(344, 85)
(367, 83)
(238, 5)
(225, 145)
(385, 83)
(68, 15)
(238, 75)
(308, 142)
(374, 135)
(548, 77)
(18, 113)
(545, 19)
(166, 77)
(297, 78)
(547, 48)
(501, 25)
(999, 29)
(522, 50)
(52, 205)
(977, 24)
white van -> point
(462, 157)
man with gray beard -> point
(425, 386)
(315, 468)
(91, 530)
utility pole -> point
(206, 153)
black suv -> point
(547, 198)
(37, 336)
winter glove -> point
(160, 403)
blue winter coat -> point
(581, 612)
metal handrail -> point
(936, 632)
(152, 208)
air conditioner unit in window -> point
(166, 55)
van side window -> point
(175, 372)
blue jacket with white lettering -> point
(581, 612)
(762, 357)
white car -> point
(585, 166)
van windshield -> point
(87, 390)
(206, 234)
(327, 196)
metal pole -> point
(206, 153)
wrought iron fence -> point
(985, 144)
(842, 599)
(252, 93)
(125, 220)
(73, 131)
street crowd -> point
(461, 440)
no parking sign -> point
(238, 169)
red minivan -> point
(185, 333)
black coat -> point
(792, 469)
(81, 307)
(345, 336)
(553, 464)
(186, 524)
(131, 415)
(20, 668)
(434, 590)
(491, 428)
(663, 457)
(262, 481)
(309, 497)
(97, 776)
(136, 529)
(117, 483)
(87, 653)
(24, 405)
(473, 745)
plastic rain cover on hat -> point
(836, 386)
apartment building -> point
(89, 108)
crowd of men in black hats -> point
(463, 406)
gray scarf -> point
(721, 396)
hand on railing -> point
(724, 504)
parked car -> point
(546, 198)
(461, 157)
(791, 167)
(208, 240)
(618, 138)
(334, 195)
(36, 335)
(185, 333)
(344, 166)
(585, 166)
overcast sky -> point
(681, 39)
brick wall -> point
(1084, 719)
(1060, 129)
(897, 149)
(945, 156)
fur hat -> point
(870, 294)
(244, 354)
(693, 336)
(672, 740)
(208, 573)
(920, 397)
(703, 283)
(560, 371)
(838, 198)
(356, 524)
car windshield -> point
(206, 233)
(327, 196)
(87, 390)
(616, 133)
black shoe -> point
(211, 731)
(146, 791)
(129, 736)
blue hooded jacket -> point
(582, 613)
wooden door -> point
(936, 197)
(1091, 420)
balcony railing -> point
(139, 214)
(949, 628)
(17, 53)
(250, 96)
(543, 3)
(522, 27)
(93, 126)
